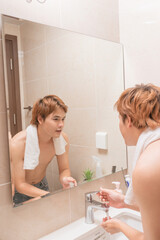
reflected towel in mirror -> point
(32, 151)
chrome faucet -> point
(91, 204)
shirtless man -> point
(139, 122)
(48, 116)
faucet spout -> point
(90, 205)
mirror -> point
(86, 73)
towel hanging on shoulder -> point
(146, 137)
(32, 151)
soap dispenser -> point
(98, 166)
(127, 180)
(117, 184)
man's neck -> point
(138, 133)
(43, 138)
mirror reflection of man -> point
(33, 149)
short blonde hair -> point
(45, 106)
(142, 104)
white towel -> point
(32, 151)
(146, 137)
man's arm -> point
(146, 186)
(114, 226)
(133, 207)
(17, 155)
(63, 166)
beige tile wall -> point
(100, 18)
(142, 49)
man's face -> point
(123, 126)
(54, 123)
(127, 130)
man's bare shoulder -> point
(150, 158)
(146, 185)
(17, 143)
(146, 173)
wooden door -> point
(13, 84)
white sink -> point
(79, 230)
(132, 219)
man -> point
(28, 175)
(139, 122)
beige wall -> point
(41, 217)
(98, 18)
(140, 35)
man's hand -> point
(68, 182)
(115, 225)
(111, 225)
(113, 198)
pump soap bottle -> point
(98, 166)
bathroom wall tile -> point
(116, 145)
(49, 176)
(54, 165)
(53, 176)
(109, 72)
(35, 64)
(53, 33)
(48, 13)
(4, 163)
(101, 22)
(27, 117)
(80, 159)
(79, 80)
(34, 90)
(77, 196)
(56, 183)
(70, 65)
(56, 217)
(36, 219)
(6, 212)
(69, 53)
(32, 35)
(80, 126)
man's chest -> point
(46, 154)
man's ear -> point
(40, 119)
(129, 121)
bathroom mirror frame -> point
(78, 142)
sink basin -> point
(131, 219)
(79, 230)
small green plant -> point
(88, 175)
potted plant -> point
(88, 175)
